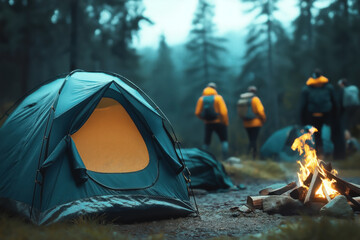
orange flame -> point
(311, 162)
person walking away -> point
(318, 105)
(251, 111)
(349, 102)
(212, 110)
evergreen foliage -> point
(204, 46)
(35, 45)
(38, 38)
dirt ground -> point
(216, 219)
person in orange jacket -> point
(251, 111)
(212, 110)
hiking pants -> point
(318, 122)
(219, 128)
(253, 133)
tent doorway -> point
(110, 142)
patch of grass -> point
(351, 162)
(13, 228)
(322, 228)
(349, 167)
(267, 170)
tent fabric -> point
(278, 145)
(62, 154)
(206, 172)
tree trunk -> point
(73, 34)
(346, 39)
(25, 59)
(309, 6)
(205, 57)
(271, 84)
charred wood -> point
(299, 193)
(344, 187)
(326, 166)
(308, 180)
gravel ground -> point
(216, 219)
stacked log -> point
(306, 194)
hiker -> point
(251, 111)
(211, 108)
(352, 144)
(349, 102)
(318, 105)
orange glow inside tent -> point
(109, 141)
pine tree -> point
(259, 65)
(163, 85)
(204, 47)
(337, 39)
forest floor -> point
(216, 220)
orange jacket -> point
(317, 82)
(259, 111)
(219, 107)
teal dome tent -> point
(278, 145)
(90, 143)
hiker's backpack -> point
(208, 112)
(244, 109)
(319, 99)
(351, 96)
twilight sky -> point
(174, 17)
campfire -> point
(318, 184)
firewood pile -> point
(317, 190)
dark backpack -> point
(208, 112)
(244, 109)
(319, 99)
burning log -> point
(326, 166)
(343, 186)
(355, 206)
(326, 193)
(278, 191)
(308, 180)
(299, 193)
(314, 185)
(318, 186)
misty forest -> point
(40, 40)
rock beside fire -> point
(281, 204)
(337, 207)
